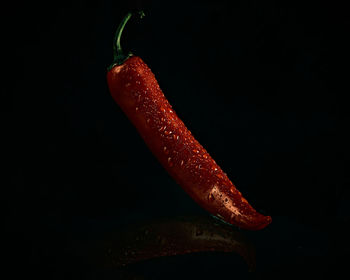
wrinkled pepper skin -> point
(135, 89)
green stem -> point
(118, 55)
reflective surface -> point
(164, 238)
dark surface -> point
(259, 83)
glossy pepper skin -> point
(135, 89)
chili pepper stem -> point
(118, 55)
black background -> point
(253, 81)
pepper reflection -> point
(167, 237)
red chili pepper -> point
(135, 88)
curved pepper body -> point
(135, 88)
